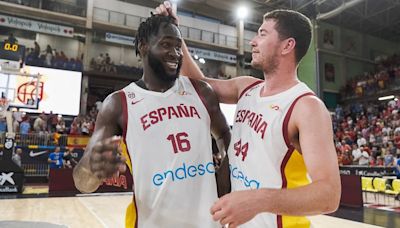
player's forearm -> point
(319, 197)
(223, 142)
(189, 66)
(84, 179)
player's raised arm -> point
(102, 158)
(228, 91)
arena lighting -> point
(242, 12)
(396, 99)
(386, 98)
(196, 57)
(202, 61)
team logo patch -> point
(135, 102)
(274, 107)
(183, 93)
(131, 95)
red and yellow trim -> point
(249, 87)
(131, 220)
(294, 175)
(293, 172)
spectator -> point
(49, 56)
(356, 152)
(36, 50)
(25, 126)
(100, 61)
(52, 122)
(11, 39)
(364, 157)
(361, 141)
(388, 159)
(75, 127)
(61, 126)
(3, 125)
(39, 125)
(69, 161)
(17, 119)
(17, 156)
(56, 159)
(380, 161)
(85, 127)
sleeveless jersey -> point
(168, 140)
(260, 153)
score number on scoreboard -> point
(9, 51)
(10, 47)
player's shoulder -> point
(112, 104)
(310, 108)
(245, 82)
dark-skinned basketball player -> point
(165, 121)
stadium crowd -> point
(24, 123)
(385, 77)
(367, 134)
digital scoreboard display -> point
(12, 51)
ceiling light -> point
(386, 98)
(242, 12)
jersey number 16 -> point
(180, 142)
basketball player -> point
(165, 121)
(282, 158)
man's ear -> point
(143, 48)
(288, 45)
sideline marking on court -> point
(93, 213)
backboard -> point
(20, 89)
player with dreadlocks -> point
(165, 121)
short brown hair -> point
(293, 24)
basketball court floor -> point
(108, 210)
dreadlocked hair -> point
(150, 27)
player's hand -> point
(234, 209)
(166, 10)
(217, 158)
(106, 159)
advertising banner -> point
(36, 26)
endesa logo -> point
(184, 172)
(240, 176)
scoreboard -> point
(12, 51)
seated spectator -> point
(70, 65)
(380, 161)
(388, 159)
(78, 65)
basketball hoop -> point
(3, 107)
